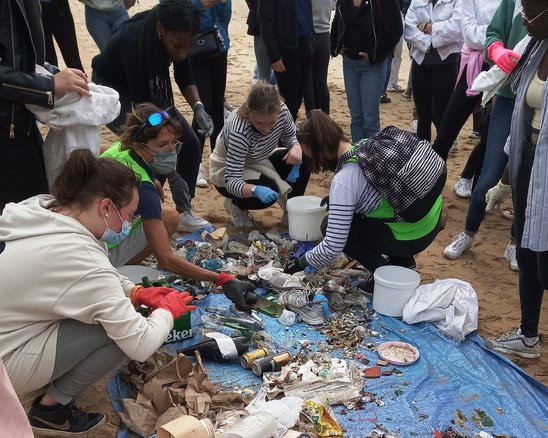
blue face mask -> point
(165, 163)
(111, 236)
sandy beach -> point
(484, 266)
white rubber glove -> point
(496, 195)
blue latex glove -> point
(265, 194)
(294, 174)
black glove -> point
(325, 201)
(203, 120)
(180, 193)
(240, 293)
(296, 265)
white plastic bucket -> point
(394, 287)
(305, 215)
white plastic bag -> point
(451, 304)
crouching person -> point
(362, 220)
(68, 317)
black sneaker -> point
(62, 420)
(385, 99)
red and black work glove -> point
(237, 291)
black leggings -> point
(458, 109)
(533, 265)
(58, 22)
(210, 78)
(432, 88)
(283, 169)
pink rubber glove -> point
(505, 58)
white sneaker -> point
(510, 255)
(188, 223)
(300, 302)
(462, 242)
(239, 218)
(463, 188)
(514, 342)
(201, 181)
(413, 126)
(391, 87)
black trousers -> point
(432, 88)
(22, 172)
(283, 169)
(58, 22)
(369, 239)
(210, 78)
(533, 265)
(292, 82)
(316, 94)
(455, 115)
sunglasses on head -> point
(155, 119)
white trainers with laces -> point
(462, 242)
(239, 217)
(463, 188)
(513, 342)
(298, 301)
(394, 87)
(201, 181)
(510, 255)
(188, 223)
(413, 126)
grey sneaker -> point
(462, 242)
(510, 255)
(239, 218)
(463, 188)
(299, 301)
(188, 223)
(393, 87)
(513, 342)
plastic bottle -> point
(219, 348)
(287, 318)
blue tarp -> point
(446, 378)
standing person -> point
(360, 222)
(21, 160)
(316, 94)
(247, 167)
(210, 74)
(286, 26)
(434, 31)
(55, 12)
(82, 324)
(263, 68)
(365, 34)
(395, 64)
(136, 63)
(503, 32)
(103, 18)
(476, 16)
(527, 148)
(148, 145)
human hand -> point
(278, 66)
(496, 195)
(150, 296)
(505, 58)
(208, 3)
(237, 291)
(294, 174)
(71, 79)
(177, 303)
(203, 120)
(296, 265)
(325, 201)
(364, 55)
(265, 194)
(294, 155)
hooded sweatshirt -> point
(53, 268)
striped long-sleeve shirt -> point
(245, 144)
(350, 193)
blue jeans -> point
(494, 162)
(101, 25)
(364, 84)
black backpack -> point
(403, 169)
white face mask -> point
(111, 236)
